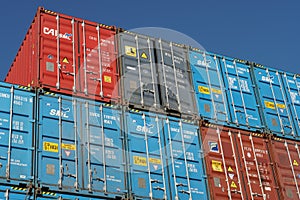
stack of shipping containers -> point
(91, 111)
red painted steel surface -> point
(234, 170)
(68, 55)
(286, 155)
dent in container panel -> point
(238, 164)
(79, 142)
(277, 115)
(177, 94)
(146, 154)
(291, 84)
(243, 106)
(138, 69)
(209, 86)
(186, 169)
(16, 134)
(285, 154)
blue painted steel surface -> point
(62, 196)
(243, 106)
(146, 155)
(291, 84)
(72, 157)
(274, 102)
(14, 193)
(209, 87)
(185, 161)
(16, 134)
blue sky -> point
(266, 32)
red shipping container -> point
(238, 164)
(286, 158)
(68, 55)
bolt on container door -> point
(98, 69)
(209, 87)
(291, 84)
(139, 75)
(146, 155)
(57, 142)
(16, 134)
(102, 147)
(256, 164)
(274, 103)
(177, 93)
(222, 163)
(240, 92)
(15, 193)
(286, 157)
(185, 165)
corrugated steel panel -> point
(238, 164)
(286, 158)
(15, 193)
(146, 156)
(185, 160)
(80, 147)
(176, 89)
(274, 102)
(139, 73)
(16, 134)
(68, 55)
(291, 84)
(66, 196)
(209, 87)
(243, 105)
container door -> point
(15, 193)
(139, 76)
(292, 88)
(98, 71)
(16, 135)
(223, 168)
(57, 53)
(57, 143)
(274, 102)
(103, 170)
(286, 156)
(185, 164)
(174, 75)
(146, 156)
(257, 167)
(209, 87)
(241, 96)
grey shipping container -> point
(177, 94)
(138, 71)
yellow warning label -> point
(216, 91)
(270, 105)
(230, 169)
(107, 79)
(217, 166)
(279, 105)
(130, 51)
(50, 146)
(204, 90)
(65, 60)
(295, 163)
(71, 147)
(155, 161)
(233, 185)
(138, 160)
(144, 55)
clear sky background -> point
(267, 32)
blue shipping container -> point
(80, 147)
(277, 116)
(16, 134)
(15, 193)
(291, 84)
(187, 176)
(243, 105)
(209, 87)
(164, 158)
